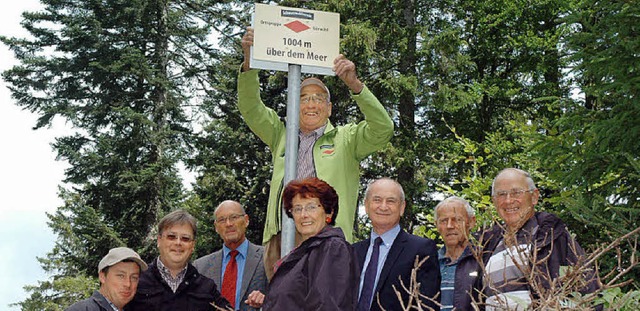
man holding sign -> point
(330, 153)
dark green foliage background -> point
(473, 87)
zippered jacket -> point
(336, 154)
(553, 246)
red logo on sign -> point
(297, 26)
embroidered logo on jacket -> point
(327, 150)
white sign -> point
(284, 35)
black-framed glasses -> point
(232, 218)
(309, 208)
(174, 237)
(513, 193)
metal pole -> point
(288, 233)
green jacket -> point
(336, 154)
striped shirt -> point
(306, 168)
(506, 271)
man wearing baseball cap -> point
(328, 152)
(119, 272)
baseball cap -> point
(318, 82)
(119, 254)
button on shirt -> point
(241, 259)
(387, 241)
(447, 284)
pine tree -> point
(125, 74)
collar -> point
(528, 231)
(242, 249)
(443, 251)
(164, 270)
(316, 133)
(387, 237)
(107, 300)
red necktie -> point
(229, 280)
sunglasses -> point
(174, 237)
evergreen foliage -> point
(472, 86)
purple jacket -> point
(320, 274)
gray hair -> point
(470, 211)
(366, 193)
(526, 175)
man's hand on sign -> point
(247, 42)
(346, 71)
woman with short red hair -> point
(321, 273)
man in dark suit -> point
(388, 256)
(237, 268)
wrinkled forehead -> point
(227, 208)
(510, 180)
(453, 207)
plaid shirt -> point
(166, 275)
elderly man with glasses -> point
(238, 267)
(524, 256)
(332, 154)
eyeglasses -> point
(310, 208)
(513, 193)
(316, 98)
(232, 218)
(174, 237)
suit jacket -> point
(254, 277)
(398, 265)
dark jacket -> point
(320, 274)
(195, 293)
(468, 280)
(552, 242)
(96, 302)
(397, 267)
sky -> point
(30, 177)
